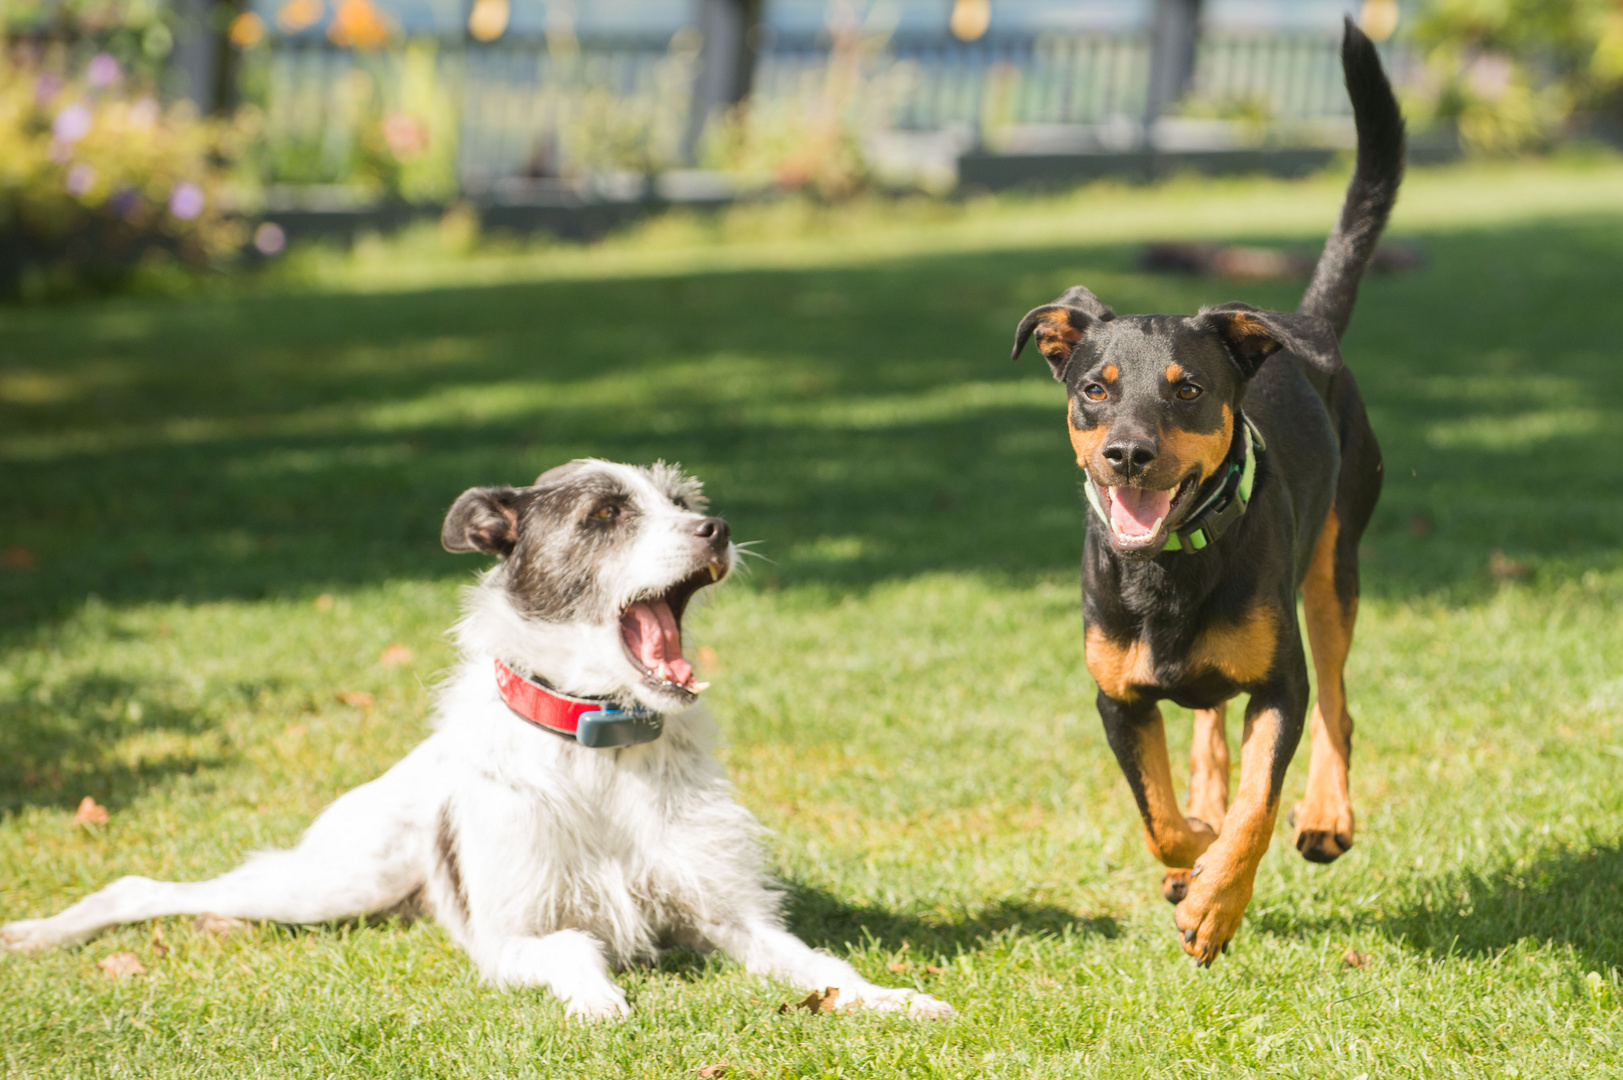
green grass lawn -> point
(217, 514)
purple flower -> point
(186, 201)
(103, 71)
(46, 87)
(80, 179)
(72, 123)
(269, 239)
(124, 201)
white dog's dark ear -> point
(483, 519)
(1253, 335)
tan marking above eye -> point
(1174, 372)
(1109, 373)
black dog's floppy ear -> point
(1059, 326)
(483, 519)
(1253, 335)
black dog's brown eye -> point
(1093, 392)
(1188, 392)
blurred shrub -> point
(97, 178)
(135, 33)
(815, 155)
(811, 141)
(1512, 73)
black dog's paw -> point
(1321, 845)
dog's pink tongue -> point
(1137, 511)
(650, 632)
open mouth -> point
(1139, 517)
(651, 629)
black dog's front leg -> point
(1220, 885)
(1138, 736)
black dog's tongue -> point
(1136, 513)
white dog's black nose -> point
(714, 530)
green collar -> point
(1222, 507)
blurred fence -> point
(527, 108)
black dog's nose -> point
(715, 530)
(1129, 456)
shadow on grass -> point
(59, 744)
(861, 421)
(1568, 898)
(825, 921)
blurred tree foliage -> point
(1514, 73)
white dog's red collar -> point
(597, 724)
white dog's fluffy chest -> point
(637, 846)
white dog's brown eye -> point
(1189, 392)
(1093, 392)
(606, 513)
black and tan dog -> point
(1230, 464)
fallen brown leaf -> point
(708, 1072)
(160, 948)
(91, 812)
(934, 970)
(358, 698)
(324, 602)
(396, 655)
(1355, 959)
(1420, 525)
(899, 966)
(218, 925)
(17, 557)
(825, 1000)
(1503, 568)
(121, 964)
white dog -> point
(567, 814)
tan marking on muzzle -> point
(1204, 450)
(1085, 441)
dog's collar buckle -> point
(600, 725)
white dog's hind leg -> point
(360, 856)
(766, 949)
(570, 963)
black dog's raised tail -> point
(1374, 188)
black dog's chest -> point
(1199, 669)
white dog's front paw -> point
(607, 1002)
(26, 935)
(886, 999)
(925, 1007)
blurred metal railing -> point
(533, 107)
